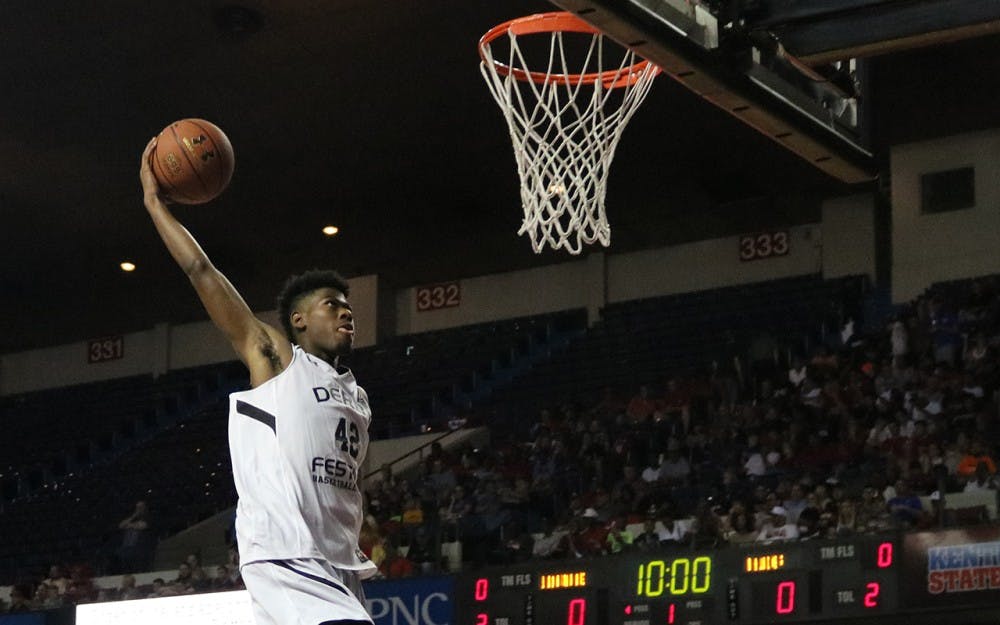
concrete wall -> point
(157, 350)
(546, 289)
(849, 236)
(590, 282)
(928, 248)
(708, 264)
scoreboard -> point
(859, 578)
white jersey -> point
(297, 443)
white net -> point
(565, 124)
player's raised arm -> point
(263, 348)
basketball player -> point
(297, 438)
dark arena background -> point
(773, 398)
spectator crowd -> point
(67, 586)
(861, 433)
(852, 433)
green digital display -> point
(676, 577)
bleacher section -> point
(49, 434)
(164, 440)
(643, 340)
(414, 380)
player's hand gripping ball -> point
(193, 161)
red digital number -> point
(884, 555)
(671, 614)
(482, 589)
(871, 597)
(577, 612)
(785, 600)
(482, 619)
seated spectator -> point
(670, 529)
(375, 501)
(515, 495)
(847, 518)
(600, 500)
(590, 536)
(413, 516)
(518, 545)
(396, 565)
(795, 503)
(233, 558)
(900, 339)
(872, 514)
(198, 580)
(235, 578)
(975, 455)
(551, 543)
(183, 583)
(422, 552)
(677, 401)
(57, 579)
(220, 580)
(765, 501)
(642, 406)
(754, 464)
(127, 590)
(651, 474)
(777, 528)
(982, 480)
(741, 528)
(809, 524)
(675, 468)
(945, 334)
(159, 588)
(706, 529)
(20, 599)
(454, 512)
(608, 407)
(440, 478)
(368, 535)
(489, 512)
(619, 538)
(81, 587)
(649, 540)
(978, 353)
(905, 508)
(632, 483)
(46, 598)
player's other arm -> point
(264, 349)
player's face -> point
(329, 322)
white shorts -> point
(304, 592)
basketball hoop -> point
(565, 125)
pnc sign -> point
(416, 601)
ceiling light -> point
(127, 266)
(331, 230)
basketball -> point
(193, 161)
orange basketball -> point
(193, 161)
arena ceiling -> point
(369, 115)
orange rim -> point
(559, 21)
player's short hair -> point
(298, 287)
